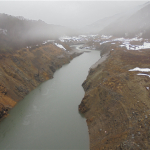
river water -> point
(48, 118)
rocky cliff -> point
(117, 101)
(23, 70)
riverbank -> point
(116, 102)
(48, 117)
(23, 70)
(102, 59)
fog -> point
(67, 13)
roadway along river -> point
(48, 118)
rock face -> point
(23, 70)
(117, 102)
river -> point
(48, 118)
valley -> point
(84, 88)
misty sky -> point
(67, 13)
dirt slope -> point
(23, 70)
(117, 102)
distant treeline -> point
(18, 32)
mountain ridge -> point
(19, 32)
(136, 25)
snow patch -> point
(60, 46)
(94, 35)
(45, 42)
(142, 74)
(79, 38)
(122, 45)
(126, 43)
(140, 69)
(137, 47)
(106, 37)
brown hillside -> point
(23, 70)
(117, 102)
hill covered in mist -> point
(102, 23)
(133, 22)
(18, 32)
(137, 24)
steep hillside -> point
(22, 70)
(136, 25)
(117, 100)
(110, 21)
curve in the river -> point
(48, 116)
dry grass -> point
(117, 103)
(22, 70)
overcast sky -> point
(66, 13)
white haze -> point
(67, 13)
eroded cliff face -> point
(117, 102)
(23, 70)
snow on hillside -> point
(142, 74)
(60, 46)
(135, 43)
(47, 41)
(80, 38)
(126, 42)
(140, 69)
